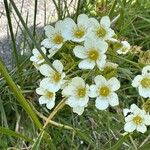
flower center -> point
(145, 82)
(124, 49)
(40, 57)
(81, 92)
(56, 77)
(101, 32)
(79, 32)
(58, 39)
(49, 94)
(137, 120)
(93, 55)
(104, 91)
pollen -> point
(93, 54)
(100, 32)
(79, 32)
(56, 77)
(145, 82)
(137, 120)
(49, 94)
(81, 92)
(58, 39)
(104, 91)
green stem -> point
(19, 95)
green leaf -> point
(9, 132)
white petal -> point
(135, 109)
(80, 52)
(100, 80)
(136, 81)
(114, 101)
(129, 127)
(101, 104)
(126, 44)
(43, 100)
(146, 119)
(58, 66)
(114, 83)
(129, 118)
(46, 70)
(126, 111)
(101, 62)
(49, 30)
(94, 22)
(83, 101)
(47, 43)
(93, 91)
(86, 64)
(110, 34)
(141, 128)
(35, 52)
(50, 104)
(72, 101)
(40, 91)
(59, 25)
(78, 82)
(78, 110)
(68, 91)
(83, 20)
(105, 21)
(102, 46)
(146, 70)
(145, 92)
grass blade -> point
(9, 132)
(30, 34)
(19, 95)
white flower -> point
(125, 48)
(104, 92)
(77, 93)
(142, 82)
(47, 95)
(54, 79)
(136, 119)
(76, 32)
(101, 30)
(92, 53)
(37, 58)
(55, 39)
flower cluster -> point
(91, 40)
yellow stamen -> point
(104, 91)
(49, 94)
(56, 77)
(93, 55)
(101, 32)
(137, 120)
(145, 82)
(79, 32)
(58, 39)
(81, 92)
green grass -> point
(94, 129)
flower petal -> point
(114, 84)
(101, 104)
(105, 21)
(49, 31)
(80, 52)
(129, 127)
(58, 66)
(50, 104)
(145, 92)
(146, 70)
(47, 43)
(86, 64)
(136, 81)
(100, 80)
(93, 91)
(146, 119)
(78, 110)
(113, 100)
(141, 128)
(43, 100)
(46, 70)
